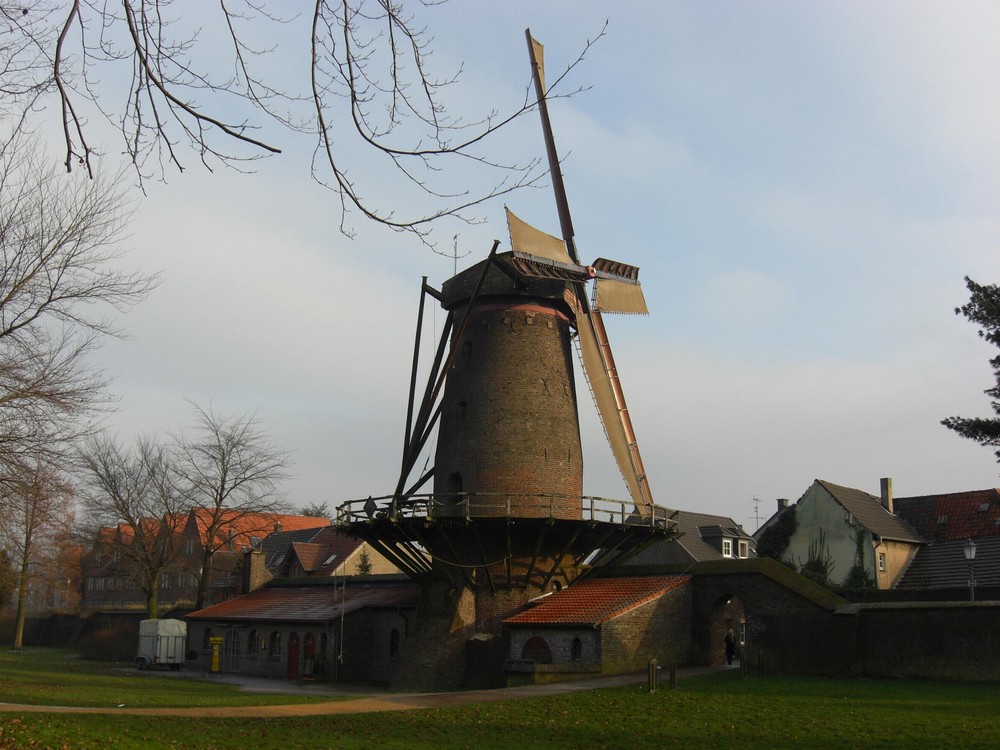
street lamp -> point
(970, 557)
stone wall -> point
(950, 640)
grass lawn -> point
(713, 711)
(53, 677)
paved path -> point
(365, 704)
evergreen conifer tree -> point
(983, 309)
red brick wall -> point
(509, 415)
(659, 630)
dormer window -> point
(727, 547)
(744, 549)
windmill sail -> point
(525, 239)
(616, 295)
(599, 366)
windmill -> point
(507, 510)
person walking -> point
(730, 646)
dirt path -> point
(387, 702)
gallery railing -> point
(471, 506)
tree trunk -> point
(22, 600)
(204, 575)
(22, 594)
(153, 599)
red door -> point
(293, 656)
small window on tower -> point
(461, 409)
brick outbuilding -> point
(601, 626)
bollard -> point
(652, 675)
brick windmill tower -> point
(506, 519)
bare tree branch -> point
(57, 270)
(371, 97)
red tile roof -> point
(958, 515)
(593, 602)
(326, 551)
(311, 603)
(243, 527)
(310, 555)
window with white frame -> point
(881, 562)
(727, 547)
(743, 549)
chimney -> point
(255, 573)
(887, 493)
(782, 503)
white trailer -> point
(161, 644)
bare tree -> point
(133, 493)
(57, 270)
(366, 93)
(38, 512)
(232, 472)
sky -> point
(804, 187)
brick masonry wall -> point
(560, 642)
(779, 621)
(788, 633)
(366, 647)
(657, 630)
(434, 656)
(956, 640)
(509, 413)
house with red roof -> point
(328, 552)
(190, 539)
(601, 625)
